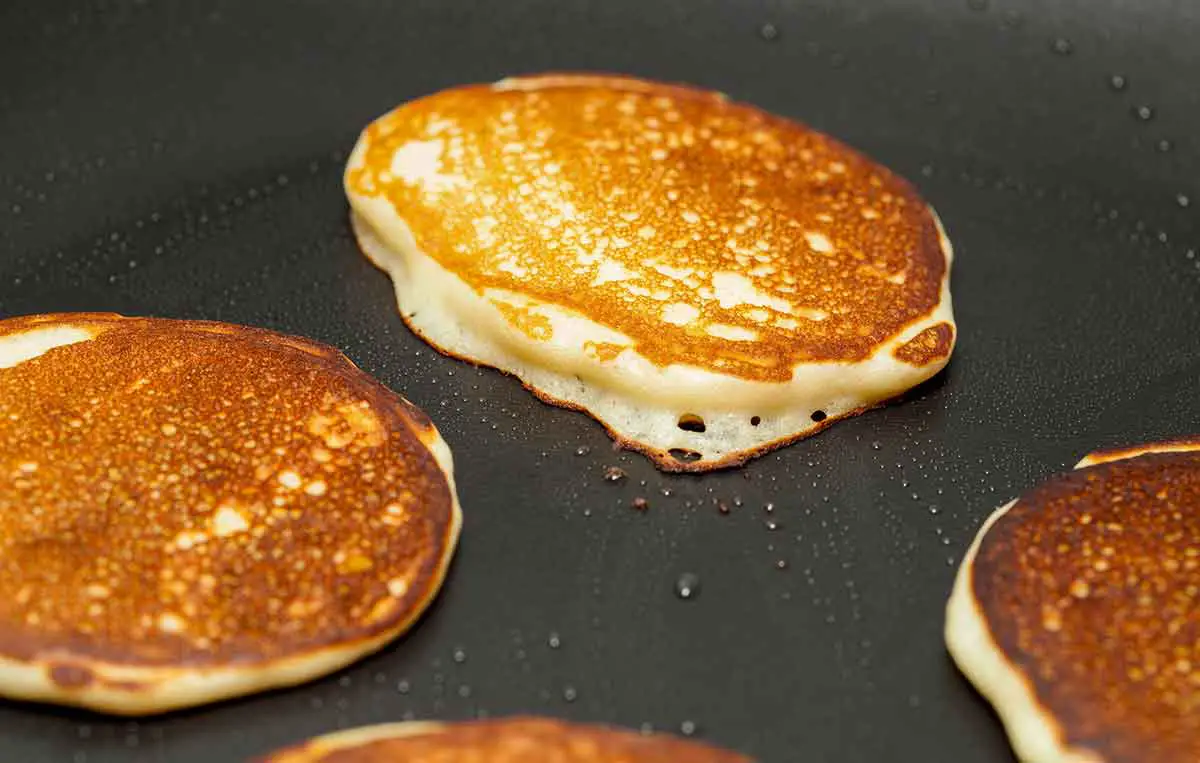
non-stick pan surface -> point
(184, 159)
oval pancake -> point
(1077, 611)
(707, 280)
(528, 740)
(191, 511)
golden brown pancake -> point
(1077, 611)
(528, 740)
(696, 273)
(192, 510)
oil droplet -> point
(876, 445)
(569, 693)
(582, 450)
(1183, 201)
(555, 641)
(1117, 83)
(1144, 113)
(1164, 146)
(1012, 20)
(403, 686)
(460, 656)
(688, 728)
(768, 32)
(687, 586)
(1062, 46)
(781, 564)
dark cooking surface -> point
(185, 161)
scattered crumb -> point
(614, 474)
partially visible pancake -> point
(191, 511)
(527, 740)
(706, 279)
(1076, 612)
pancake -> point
(1076, 612)
(528, 740)
(191, 511)
(707, 280)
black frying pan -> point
(184, 160)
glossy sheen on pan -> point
(697, 273)
(527, 740)
(194, 510)
(1077, 612)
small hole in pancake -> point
(684, 455)
(818, 415)
(755, 420)
(690, 422)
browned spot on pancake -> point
(1090, 586)
(707, 231)
(931, 345)
(603, 351)
(177, 492)
(70, 676)
(532, 324)
(529, 740)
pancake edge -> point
(1033, 731)
(137, 690)
(313, 749)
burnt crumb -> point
(722, 507)
(614, 474)
(640, 504)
